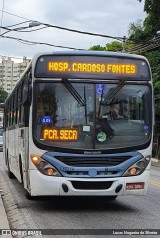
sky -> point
(107, 17)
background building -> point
(10, 72)
(1, 117)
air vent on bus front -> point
(91, 185)
(92, 161)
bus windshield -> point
(90, 115)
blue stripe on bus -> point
(68, 171)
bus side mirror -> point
(27, 93)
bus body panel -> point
(43, 185)
(25, 158)
(17, 152)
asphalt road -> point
(130, 212)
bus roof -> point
(92, 53)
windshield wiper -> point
(74, 92)
(113, 93)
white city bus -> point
(62, 136)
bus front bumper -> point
(41, 185)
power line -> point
(83, 32)
(9, 13)
(69, 29)
(31, 30)
(20, 29)
(19, 23)
(2, 14)
(40, 43)
(150, 45)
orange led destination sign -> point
(86, 67)
(60, 134)
(78, 66)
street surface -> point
(130, 212)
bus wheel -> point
(111, 197)
(10, 174)
(28, 196)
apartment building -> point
(1, 117)
(10, 72)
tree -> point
(114, 46)
(136, 32)
(152, 21)
(3, 95)
(149, 29)
(98, 48)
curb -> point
(4, 224)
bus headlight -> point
(44, 167)
(138, 168)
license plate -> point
(134, 186)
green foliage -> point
(152, 6)
(3, 95)
(136, 32)
(154, 60)
(114, 46)
(142, 32)
(151, 23)
(98, 48)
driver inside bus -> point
(115, 112)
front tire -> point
(10, 174)
(28, 196)
(111, 198)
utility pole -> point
(123, 44)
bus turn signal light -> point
(35, 159)
(138, 168)
(44, 166)
(132, 171)
(50, 171)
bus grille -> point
(91, 185)
(92, 161)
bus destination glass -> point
(51, 66)
(62, 134)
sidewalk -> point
(155, 162)
(4, 225)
